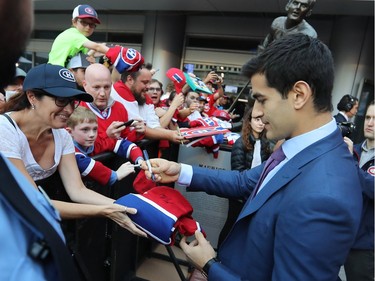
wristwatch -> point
(207, 266)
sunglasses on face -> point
(59, 101)
(62, 102)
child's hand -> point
(124, 170)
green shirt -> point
(66, 45)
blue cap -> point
(85, 11)
(55, 80)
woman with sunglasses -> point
(34, 139)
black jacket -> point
(241, 160)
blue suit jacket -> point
(365, 235)
(300, 226)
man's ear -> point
(308, 13)
(69, 130)
(301, 94)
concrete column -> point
(163, 42)
(352, 44)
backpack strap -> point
(9, 119)
(53, 244)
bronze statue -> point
(294, 22)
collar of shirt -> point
(295, 145)
(364, 146)
(86, 150)
(345, 116)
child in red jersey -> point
(83, 127)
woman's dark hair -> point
(135, 74)
(248, 137)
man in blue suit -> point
(303, 220)
(359, 265)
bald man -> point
(111, 114)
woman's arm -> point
(104, 206)
(74, 186)
(167, 116)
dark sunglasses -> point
(60, 101)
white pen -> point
(148, 164)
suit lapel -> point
(289, 171)
(282, 177)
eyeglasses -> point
(62, 102)
(154, 89)
(59, 101)
(85, 24)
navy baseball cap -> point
(85, 11)
(55, 80)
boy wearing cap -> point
(74, 39)
(83, 127)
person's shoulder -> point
(117, 106)
(307, 29)
(238, 144)
(68, 32)
(123, 91)
(61, 133)
(279, 21)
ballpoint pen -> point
(147, 159)
(179, 133)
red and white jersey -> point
(121, 93)
(115, 112)
(95, 170)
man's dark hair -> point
(346, 103)
(293, 58)
(135, 74)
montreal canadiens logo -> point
(371, 170)
(66, 75)
(89, 11)
(131, 54)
